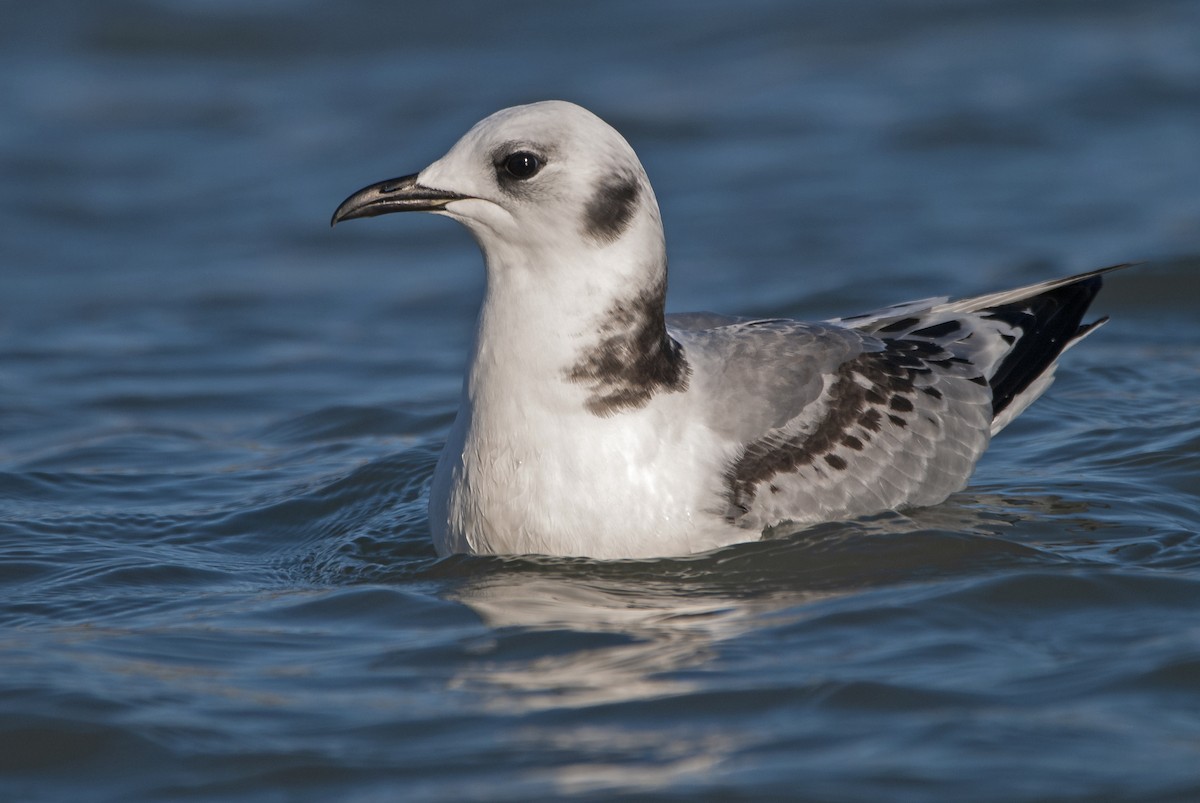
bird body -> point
(593, 424)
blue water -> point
(218, 418)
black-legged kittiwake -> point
(593, 424)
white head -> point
(538, 185)
(573, 241)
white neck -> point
(542, 315)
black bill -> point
(402, 194)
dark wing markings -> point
(865, 389)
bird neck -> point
(590, 333)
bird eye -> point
(522, 164)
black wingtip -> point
(1050, 322)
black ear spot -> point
(611, 208)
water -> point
(218, 418)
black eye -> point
(522, 164)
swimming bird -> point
(593, 424)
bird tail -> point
(1014, 337)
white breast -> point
(512, 480)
